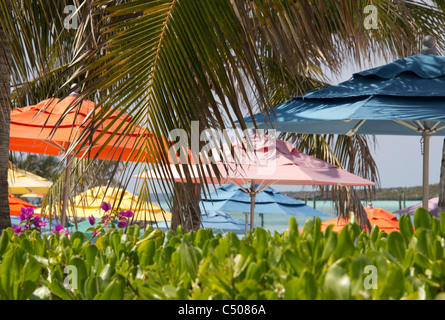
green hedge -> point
(202, 265)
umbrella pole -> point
(426, 160)
(252, 203)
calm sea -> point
(280, 222)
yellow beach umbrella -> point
(88, 203)
(21, 181)
(32, 195)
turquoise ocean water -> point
(280, 222)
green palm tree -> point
(170, 63)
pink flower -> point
(18, 230)
(105, 206)
(122, 224)
(39, 223)
(26, 213)
(125, 214)
(129, 213)
(91, 220)
(58, 230)
(105, 218)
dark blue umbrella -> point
(232, 198)
(405, 97)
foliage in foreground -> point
(201, 265)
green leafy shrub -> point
(312, 264)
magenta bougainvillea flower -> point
(130, 214)
(122, 224)
(125, 214)
(39, 223)
(58, 230)
(18, 230)
(26, 213)
(105, 206)
(91, 220)
(105, 218)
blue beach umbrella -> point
(221, 221)
(216, 220)
(232, 198)
(405, 97)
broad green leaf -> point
(303, 288)
(201, 237)
(442, 224)
(275, 254)
(345, 246)
(148, 247)
(291, 289)
(78, 270)
(60, 291)
(308, 227)
(90, 253)
(330, 245)
(396, 246)
(114, 291)
(169, 291)
(393, 288)
(297, 265)
(190, 257)
(359, 267)
(222, 250)
(293, 229)
(425, 242)
(374, 234)
(253, 272)
(4, 241)
(260, 242)
(337, 283)
(406, 227)
(422, 219)
(94, 285)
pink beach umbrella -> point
(263, 161)
(433, 207)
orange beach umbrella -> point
(16, 204)
(50, 126)
(376, 216)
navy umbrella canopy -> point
(405, 97)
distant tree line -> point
(407, 193)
